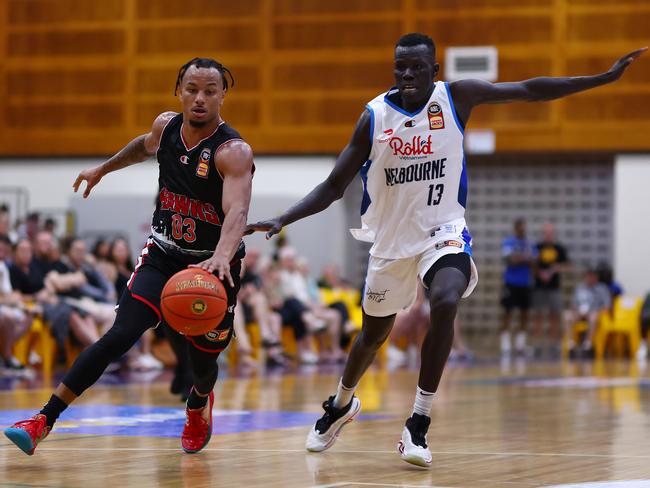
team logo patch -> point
(217, 335)
(203, 167)
(436, 119)
(184, 159)
(199, 307)
(442, 244)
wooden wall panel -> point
(32, 83)
(65, 43)
(196, 9)
(84, 77)
(30, 12)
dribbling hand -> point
(622, 63)
(219, 264)
(271, 227)
(91, 176)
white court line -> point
(9, 447)
(346, 483)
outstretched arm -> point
(235, 164)
(353, 156)
(136, 151)
(469, 93)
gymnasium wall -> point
(81, 77)
(631, 229)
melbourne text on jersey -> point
(427, 170)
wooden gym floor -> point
(494, 425)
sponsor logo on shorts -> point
(199, 307)
(442, 244)
(217, 335)
(376, 296)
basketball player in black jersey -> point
(415, 69)
(205, 180)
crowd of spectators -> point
(58, 279)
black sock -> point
(195, 401)
(53, 409)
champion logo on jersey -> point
(184, 159)
(410, 123)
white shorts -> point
(391, 284)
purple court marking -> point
(126, 420)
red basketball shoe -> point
(197, 431)
(26, 434)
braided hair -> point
(205, 63)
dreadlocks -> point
(205, 63)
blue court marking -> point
(579, 382)
(126, 420)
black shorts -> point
(156, 266)
(516, 297)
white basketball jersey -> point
(415, 177)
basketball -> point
(193, 302)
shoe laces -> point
(418, 425)
(329, 417)
(195, 424)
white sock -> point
(520, 341)
(505, 341)
(423, 402)
(343, 395)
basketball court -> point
(514, 424)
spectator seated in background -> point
(293, 313)
(84, 287)
(15, 317)
(335, 314)
(590, 299)
(319, 318)
(5, 225)
(254, 307)
(341, 296)
(30, 269)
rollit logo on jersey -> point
(190, 207)
(416, 148)
(203, 167)
(184, 159)
(436, 119)
(428, 170)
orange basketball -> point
(193, 302)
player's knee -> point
(444, 302)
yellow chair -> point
(577, 329)
(38, 339)
(624, 324)
(254, 336)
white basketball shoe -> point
(413, 447)
(323, 435)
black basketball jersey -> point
(188, 213)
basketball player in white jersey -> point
(408, 146)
